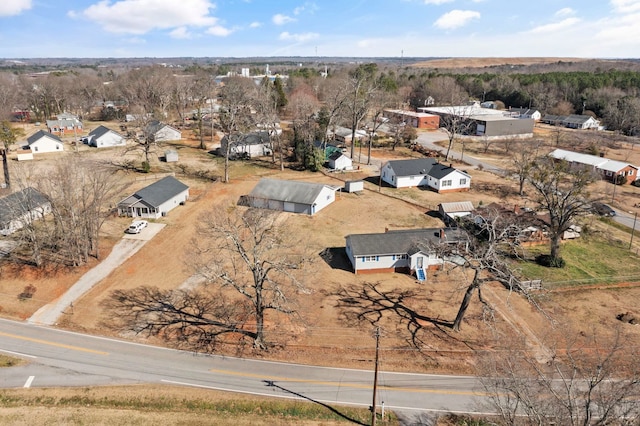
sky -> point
(347, 28)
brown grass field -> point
(319, 334)
(476, 62)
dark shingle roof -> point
(39, 135)
(17, 204)
(418, 166)
(401, 241)
(161, 191)
(335, 155)
(288, 190)
(101, 131)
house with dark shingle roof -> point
(21, 208)
(249, 145)
(162, 132)
(155, 200)
(104, 137)
(407, 250)
(338, 161)
(42, 141)
(290, 196)
(425, 172)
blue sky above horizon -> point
(356, 28)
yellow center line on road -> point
(58, 345)
(345, 385)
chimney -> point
(451, 165)
(386, 229)
(442, 233)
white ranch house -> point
(425, 172)
(161, 132)
(251, 145)
(408, 250)
(155, 200)
(291, 196)
(21, 208)
(42, 142)
(104, 137)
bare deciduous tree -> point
(592, 382)
(523, 156)
(8, 136)
(235, 114)
(249, 268)
(562, 192)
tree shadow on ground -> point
(336, 258)
(367, 303)
(273, 384)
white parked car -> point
(136, 226)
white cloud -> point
(141, 16)
(625, 6)
(219, 31)
(255, 25)
(437, 2)
(555, 26)
(180, 33)
(566, 11)
(280, 19)
(310, 7)
(456, 18)
(300, 38)
(14, 7)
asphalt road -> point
(62, 358)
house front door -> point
(420, 262)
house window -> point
(446, 182)
(370, 259)
(630, 173)
(463, 181)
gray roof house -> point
(450, 212)
(249, 145)
(162, 132)
(425, 172)
(64, 123)
(42, 141)
(407, 250)
(104, 137)
(20, 208)
(155, 200)
(290, 196)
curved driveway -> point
(124, 249)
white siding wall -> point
(174, 202)
(167, 134)
(326, 197)
(109, 139)
(46, 145)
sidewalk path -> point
(49, 314)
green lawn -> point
(588, 261)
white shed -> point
(171, 156)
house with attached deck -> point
(425, 172)
(411, 251)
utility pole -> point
(633, 230)
(375, 379)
